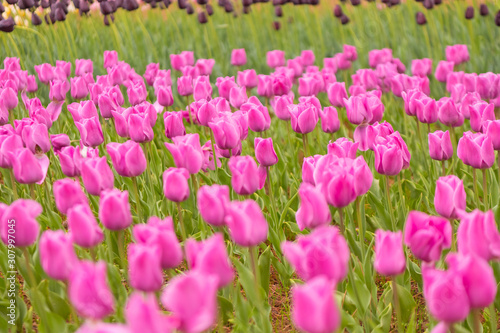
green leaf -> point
(264, 268)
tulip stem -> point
(476, 321)
(31, 276)
(493, 317)
(121, 249)
(443, 167)
(453, 237)
(396, 304)
(476, 195)
(74, 315)
(388, 194)
(214, 156)
(341, 217)
(13, 182)
(401, 194)
(271, 194)
(485, 190)
(32, 191)
(181, 223)
(93, 253)
(255, 269)
(360, 227)
(137, 199)
(304, 143)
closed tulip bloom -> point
(144, 269)
(480, 113)
(226, 132)
(313, 210)
(45, 72)
(443, 69)
(265, 86)
(114, 209)
(83, 226)
(212, 203)
(97, 176)
(264, 152)
(308, 167)
(338, 185)
(314, 309)
(90, 131)
(329, 120)
(28, 169)
(304, 117)
(364, 109)
(245, 178)
(440, 147)
(110, 58)
(445, 295)
(192, 300)
(57, 254)
(128, 158)
(32, 86)
(89, 291)
(238, 96)
(281, 84)
(258, 118)
(79, 87)
(280, 107)
(457, 53)
(324, 252)
(363, 177)
(478, 235)
(151, 73)
(83, 66)
(35, 135)
(476, 150)
(427, 236)
(187, 153)
(175, 184)
(70, 159)
(210, 258)
(185, 85)
(68, 193)
(421, 67)
(450, 197)
(59, 141)
(160, 233)
(478, 278)
(137, 93)
(82, 110)
(9, 144)
(388, 158)
(343, 147)
(9, 98)
(376, 57)
(247, 78)
(488, 85)
(144, 315)
(202, 89)
(207, 113)
(410, 97)
(247, 224)
(492, 130)
(164, 96)
(275, 58)
(238, 57)
(58, 90)
(205, 66)
(449, 114)
(174, 125)
(389, 254)
(24, 212)
(427, 110)
(224, 85)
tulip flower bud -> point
(226, 132)
(128, 158)
(173, 124)
(68, 193)
(304, 117)
(245, 178)
(443, 69)
(275, 58)
(84, 229)
(469, 13)
(440, 147)
(27, 168)
(389, 254)
(478, 235)
(247, 224)
(476, 150)
(313, 210)
(144, 269)
(264, 152)
(238, 57)
(97, 176)
(24, 213)
(492, 130)
(90, 131)
(57, 254)
(175, 184)
(329, 120)
(212, 203)
(114, 209)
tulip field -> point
(249, 166)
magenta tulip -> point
(245, 176)
(97, 176)
(68, 193)
(144, 269)
(478, 235)
(128, 158)
(440, 147)
(114, 209)
(187, 153)
(389, 254)
(264, 152)
(313, 210)
(57, 254)
(83, 226)
(476, 150)
(238, 57)
(25, 226)
(450, 197)
(212, 203)
(175, 184)
(247, 224)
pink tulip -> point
(185, 58)
(247, 224)
(421, 67)
(224, 85)
(137, 93)
(83, 226)
(83, 66)
(24, 212)
(280, 107)
(12, 64)
(309, 85)
(90, 131)
(389, 254)
(82, 110)
(27, 167)
(57, 254)
(144, 315)
(97, 176)
(376, 57)
(9, 144)
(175, 184)
(144, 270)
(35, 135)
(101, 327)
(226, 132)
(329, 120)
(308, 168)
(457, 53)
(492, 130)
(114, 209)
(388, 158)
(59, 141)
(307, 58)
(245, 178)
(185, 86)
(238, 96)
(151, 72)
(304, 117)
(478, 235)
(265, 86)
(128, 158)
(281, 84)
(205, 66)
(187, 153)
(70, 159)
(202, 88)
(427, 110)
(68, 193)
(210, 258)
(45, 73)
(258, 118)
(313, 210)
(476, 150)
(440, 147)
(247, 78)
(314, 309)
(192, 300)
(238, 57)
(110, 58)
(173, 124)
(427, 236)
(9, 98)
(264, 152)
(275, 58)
(443, 69)
(32, 86)
(450, 197)
(336, 179)
(480, 113)
(58, 90)
(343, 147)
(164, 95)
(79, 88)
(161, 234)
(89, 291)
(488, 85)
(364, 109)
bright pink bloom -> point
(389, 254)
